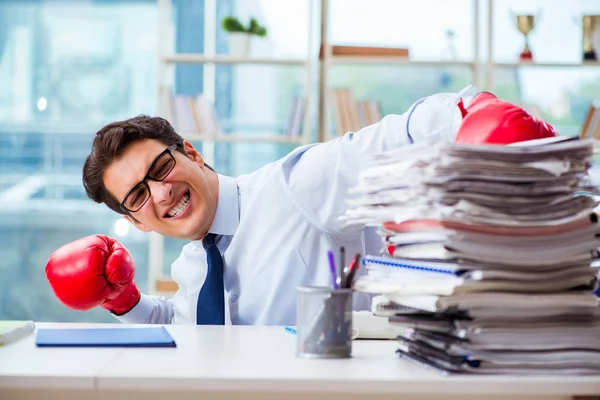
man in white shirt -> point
(252, 239)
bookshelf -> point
(492, 65)
(483, 66)
(328, 60)
(209, 59)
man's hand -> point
(488, 120)
(94, 271)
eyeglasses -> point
(161, 167)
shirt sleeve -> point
(149, 310)
(319, 176)
(153, 309)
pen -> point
(342, 276)
(332, 269)
(347, 270)
(291, 330)
(353, 268)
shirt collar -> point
(227, 217)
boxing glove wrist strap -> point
(128, 299)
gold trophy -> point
(591, 36)
(525, 24)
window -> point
(66, 69)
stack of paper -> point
(491, 250)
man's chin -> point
(192, 233)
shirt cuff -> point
(467, 94)
(139, 314)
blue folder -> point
(105, 337)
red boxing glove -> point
(488, 120)
(94, 271)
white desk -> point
(249, 363)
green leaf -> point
(256, 28)
(232, 24)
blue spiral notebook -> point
(104, 337)
(431, 267)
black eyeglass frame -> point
(144, 182)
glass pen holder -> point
(324, 322)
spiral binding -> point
(421, 266)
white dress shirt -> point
(276, 225)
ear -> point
(193, 154)
(137, 224)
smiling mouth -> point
(181, 207)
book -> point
(11, 331)
(590, 129)
(366, 51)
(105, 337)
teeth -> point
(179, 207)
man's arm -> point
(99, 271)
(319, 176)
(178, 309)
(149, 310)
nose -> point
(160, 191)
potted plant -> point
(240, 36)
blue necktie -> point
(211, 304)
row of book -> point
(294, 122)
(490, 263)
(197, 115)
(192, 114)
(340, 50)
(350, 115)
(590, 129)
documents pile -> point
(489, 266)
